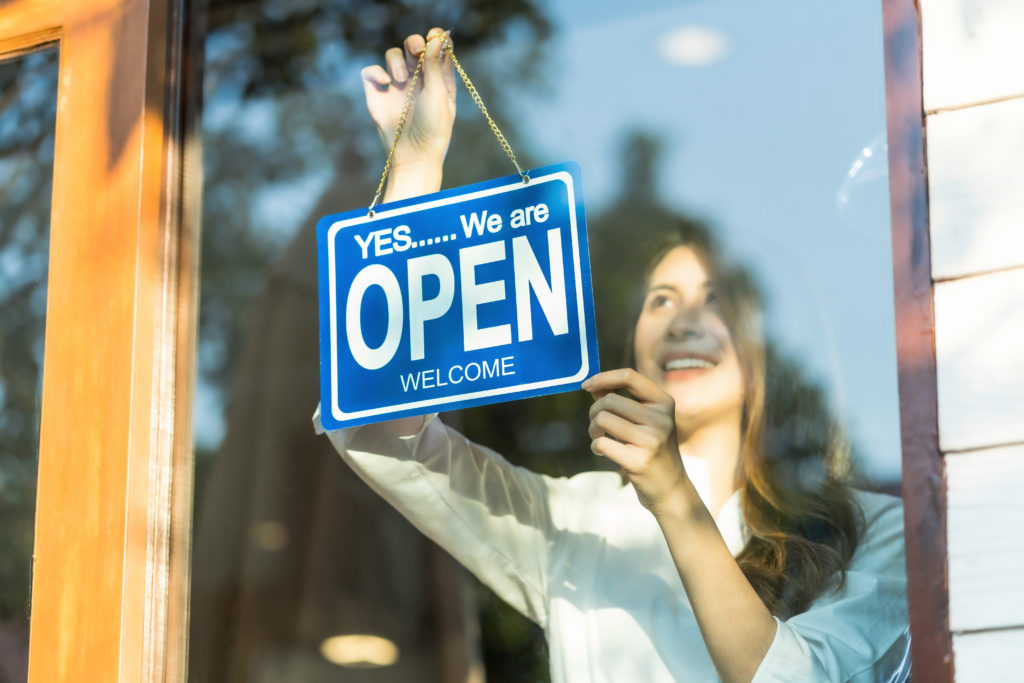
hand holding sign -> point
(420, 149)
(459, 298)
(637, 430)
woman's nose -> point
(686, 324)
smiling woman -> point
(699, 336)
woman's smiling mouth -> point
(682, 366)
(687, 364)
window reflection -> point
(678, 112)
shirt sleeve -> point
(491, 516)
(861, 632)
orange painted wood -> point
(22, 20)
(16, 46)
(115, 437)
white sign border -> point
(338, 414)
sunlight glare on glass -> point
(359, 651)
(691, 45)
(862, 199)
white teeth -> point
(688, 363)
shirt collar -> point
(730, 517)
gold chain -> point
(483, 109)
(405, 113)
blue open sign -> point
(474, 295)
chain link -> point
(405, 113)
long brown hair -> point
(803, 521)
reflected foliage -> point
(284, 117)
(276, 47)
(286, 140)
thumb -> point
(436, 68)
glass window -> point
(759, 128)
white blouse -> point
(581, 557)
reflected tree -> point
(285, 123)
(290, 547)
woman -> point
(733, 549)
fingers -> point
(376, 77)
(395, 59)
(607, 424)
(620, 405)
(604, 424)
(401, 62)
(629, 430)
(629, 379)
(413, 45)
(626, 421)
(620, 453)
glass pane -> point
(28, 107)
(759, 129)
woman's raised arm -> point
(416, 166)
(638, 433)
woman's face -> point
(684, 346)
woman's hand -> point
(428, 128)
(639, 433)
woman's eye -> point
(658, 301)
(712, 299)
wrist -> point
(681, 505)
(413, 178)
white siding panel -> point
(972, 51)
(976, 188)
(979, 348)
(993, 657)
(985, 529)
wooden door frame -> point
(924, 481)
(113, 510)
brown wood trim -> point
(23, 20)
(924, 486)
(16, 46)
(116, 374)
